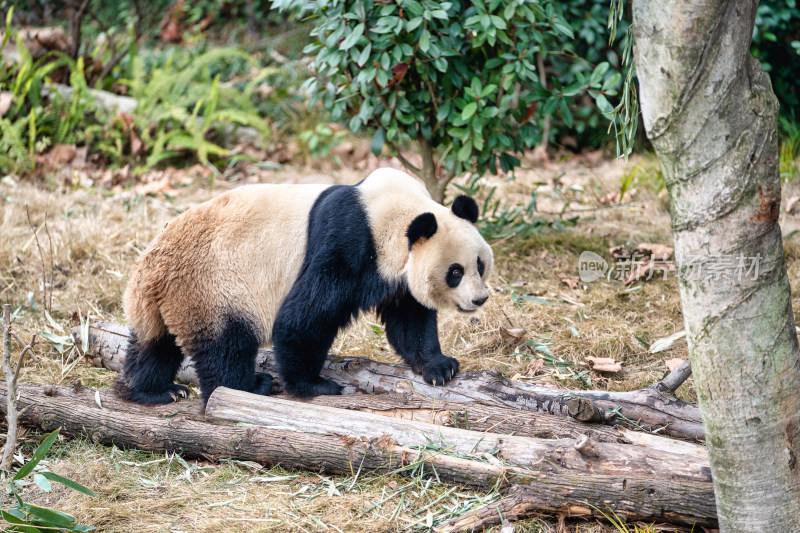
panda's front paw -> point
(440, 370)
(262, 385)
(308, 389)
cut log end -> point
(585, 410)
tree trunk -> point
(651, 407)
(711, 115)
(580, 488)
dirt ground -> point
(77, 266)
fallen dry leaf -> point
(659, 251)
(137, 146)
(645, 269)
(572, 283)
(672, 364)
(162, 185)
(609, 199)
(620, 252)
(791, 203)
(60, 154)
(533, 367)
(5, 102)
(604, 364)
(512, 336)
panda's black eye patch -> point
(454, 275)
(481, 267)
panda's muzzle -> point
(477, 302)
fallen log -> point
(475, 416)
(572, 491)
(650, 408)
(542, 455)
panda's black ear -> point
(466, 208)
(422, 227)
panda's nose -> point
(480, 301)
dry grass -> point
(96, 234)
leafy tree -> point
(459, 78)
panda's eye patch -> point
(481, 267)
(454, 275)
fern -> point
(12, 143)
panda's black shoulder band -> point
(422, 227)
(466, 208)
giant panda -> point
(292, 265)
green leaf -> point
(465, 151)
(49, 516)
(354, 36)
(21, 523)
(424, 40)
(38, 455)
(40, 480)
(597, 74)
(69, 483)
(493, 63)
(378, 140)
(550, 106)
(468, 111)
(536, 300)
(364, 55)
(611, 81)
(603, 104)
(499, 23)
(414, 23)
(563, 28)
(444, 110)
(53, 323)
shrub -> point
(459, 78)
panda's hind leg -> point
(228, 359)
(149, 371)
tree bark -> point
(649, 407)
(667, 497)
(711, 115)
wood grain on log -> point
(553, 455)
(671, 498)
(647, 407)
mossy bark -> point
(711, 115)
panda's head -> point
(448, 260)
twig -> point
(28, 346)
(52, 269)
(11, 399)
(75, 24)
(674, 379)
(543, 81)
(41, 256)
(405, 161)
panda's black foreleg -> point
(412, 331)
(149, 370)
(300, 354)
(302, 335)
(228, 360)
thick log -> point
(553, 455)
(649, 407)
(475, 416)
(88, 413)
